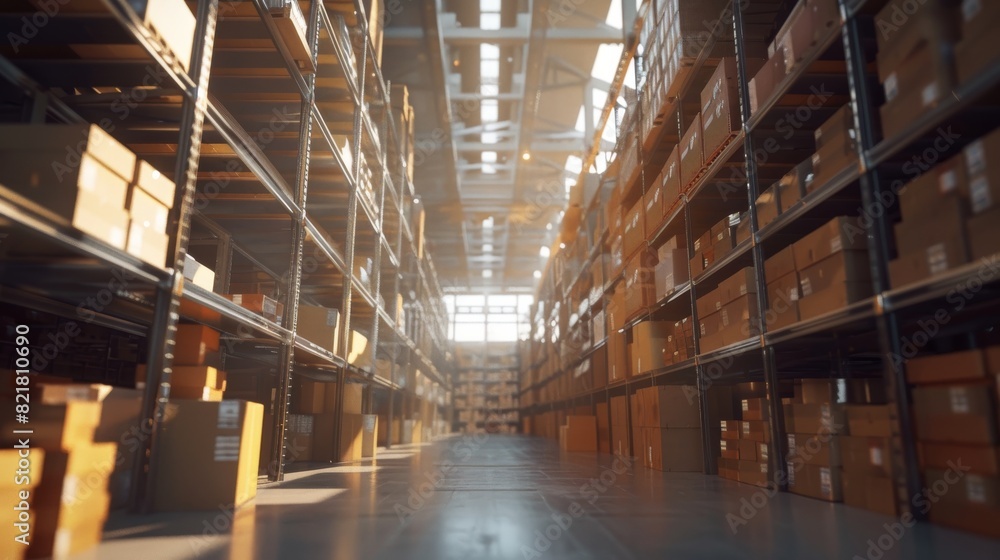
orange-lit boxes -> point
(196, 357)
(833, 268)
(287, 16)
(813, 423)
(671, 267)
(668, 428)
(916, 62)
(71, 500)
(729, 313)
(954, 405)
(150, 199)
(16, 518)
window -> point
(494, 318)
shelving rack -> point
(271, 185)
(860, 340)
(486, 388)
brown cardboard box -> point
(730, 429)
(310, 397)
(840, 234)
(257, 303)
(194, 344)
(747, 451)
(580, 434)
(780, 264)
(599, 367)
(86, 140)
(57, 427)
(955, 414)
(652, 208)
(907, 31)
(730, 449)
(754, 409)
(783, 301)
(633, 230)
(738, 285)
(949, 216)
(649, 338)
(148, 245)
(766, 80)
(146, 211)
(815, 418)
(150, 180)
(834, 283)
(692, 153)
(751, 472)
(674, 449)
(671, 271)
(172, 22)
(740, 319)
(980, 459)
(968, 489)
(618, 365)
(869, 420)
(977, 50)
(222, 439)
(813, 449)
(729, 468)
(866, 455)
(836, 129)
(720, 107)
(835, 156)
(818, 391)
(672, 406)
(369, 434)
(916, 85)
(319, 325)
(983, 175)
(934, 259)
(974, 517)
(871, 492)
(984, 234)
(969, 365)
(822, 483)
(712, 301)
(671, 180)
(755, 430)
(767, 206)
(711, 332)
(921, 196)
(809, 24)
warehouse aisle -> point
(515, 497)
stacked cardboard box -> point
(833, 268)
(71, 500)
(916, 61)
(668, 428)
(578, 434)
(603, 414)
(18, 515)
(813, 423)
(640, 275)
(954, 403)
(646, 351)
(269, 308)
(866, 452)
(782, 289)
(983, 173)
(720, 108)
(744, 438)
(684, 22)
(692, 153)
(680, 342)
(319, 325)
(977, 50)
(620, 426)
(938, 197)
(836, 148)
(729, 313)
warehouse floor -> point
(505, 497)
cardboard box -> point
(840, 234)
(147, 244)
(984, 234)
(740, 319)
(711, 302)
(920, 197)
(672, 406)
(955, 414)
(194, 344)
(692, 153)
(309, 397)
(949, 216)
(813, 449)
(780, 264)
(871, 492)
(822, 483)
(60, 427)
(291, 26)
(730, 429)
(820, 419)
(751, 472)
(783, 300)
(754, 409)
(916, 85)
(633, 230)
(930, 261)
(934, 21)
(648, 341)
(579, 435)
(819, 391)
(977, 51)
(653, 208)
(146, 211)
(834, 283)
(748, 451)
(369, 434)
(671, 176)
(257, 303)
(767, 206)
(980, 459)
(618, 364)
(671, 271)
(84, 141)
(983, 176)
(319, 325)
(730, 449)
(711, 332)
(755, 430)
(738, 285)
(870, 456)
(834, 157)
(766, 80)
(973, 517)
(674, 449)
(223, 440)
(720, 107)
(154, 183)
(968, 365)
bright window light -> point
(490, 138)
(489, 89)
(489, 68)
(487, 247)
(544, 251)
(493, 6)
(489, 52)
(487, 273)
(580, 124)
(538, 274)
(489, 169)
(489, 21)
(548, 227)
(488, 223)
(489, 112)
(489, 157)
(614, 18)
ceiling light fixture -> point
(526, 156)
(544, 251)
(548, 227)
(562, 245)
(416, 201)
(487, 273)
(538, 274)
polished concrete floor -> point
(516, 497)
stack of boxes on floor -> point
(311, 425)
(96, 184)
(578, 434)
(667, 428)
(954, 403)
(619, 426)
(744, 438)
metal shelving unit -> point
(870, 328)
(261, 142)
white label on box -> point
(763, 468)
(724, 445)
(791, 444)
(650, 455)
(62, 543)
(971, 9)
(227, 449)
(836, 244)
(793, 295)
(746, 428)
(875, 456)
(708, 120)
(762, 451)
(806, 287)
(930, 94)
(948, 182)
(975, 488)
(959, 400)
(937, 258)
(891, 87)
(791, 474)
(979, 190)
(975, 157)
(746, 405)
(825, 481)
(229, 415)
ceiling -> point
(497, 87)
